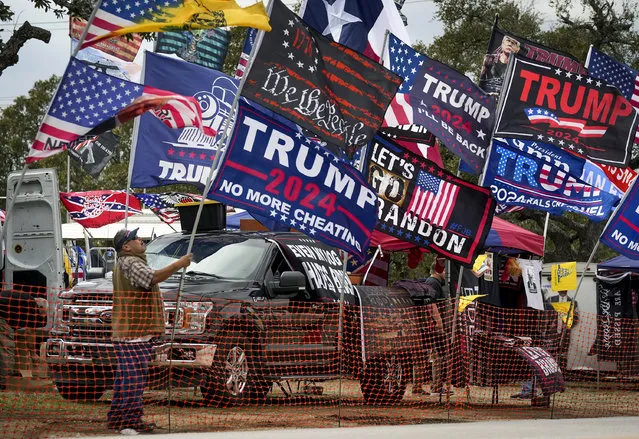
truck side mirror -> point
(290, 284)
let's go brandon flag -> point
(338, 94)
(124, 17)
(423, 204)
(575, 112)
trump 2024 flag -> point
(89, 102)
(622, 232)
(336, 93)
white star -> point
(558, 72)
(568, 75)
(578, 77)
(285, 43)
(481, 134)
(337, 18)
(598, 83)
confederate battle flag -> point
(98, 208)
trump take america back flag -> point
(423, 204)
(98, 208)
(89, 102)
(336, 93)
(119, 17)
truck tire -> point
(80, 391)
(384, 381)
(235, 377)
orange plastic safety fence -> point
(222, 364)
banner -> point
(577, 113)
(205, 47)
(323, 267)
(420, 203)
(531, 272)
(446, 103)
(98, 208)
(95, 152)
(272, 170)
(547, 371)
(622, 232)
(615, 328)
(125, 48)
(520, 179)
(164, 156)
(110, 65)
(563, 277)
(329, 89)
(502, 44)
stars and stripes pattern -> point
(541, 115)
(379, 270)
(625, 78)
(119, 17)
(163, 205)
(89, 102)
(124, 48)
(3, 216)
(404, 63)
(98, 208)
(246, 52)
(433, 199)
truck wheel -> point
(383, 381)
(235, 377)
(80, 391)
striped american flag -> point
(163, 205)
(246, 52)
(625, 78)
(433, 199)
(126, 47)
(89, 102)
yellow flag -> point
(564, 276)
(562, 309)
(190, 15)
(464, 301)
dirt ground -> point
(39, 412)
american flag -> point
(246, 52)
(91, 102)
(163, 205)
(378, 273)
(433, 199)
(123, 47)
(625, 78)
(3, 216)
(98, 208)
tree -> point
(604, 24)
(9, 50)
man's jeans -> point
(130, 380)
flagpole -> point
(546, 228)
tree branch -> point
(9, 54)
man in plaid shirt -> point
(138, 316)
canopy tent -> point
(503, 237)
(620, 263)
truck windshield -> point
(218, 256)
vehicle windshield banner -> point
(272, 170)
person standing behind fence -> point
(138, 316)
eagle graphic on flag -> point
(98, 208)
(433, 199)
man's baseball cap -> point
(122, 237)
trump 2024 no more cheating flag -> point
(446, 102)
(338, 94)
(89, 102)
(575, 112)
(274, 171)
(164, 156)
(622, 232)
(519, 176)
(425, 205)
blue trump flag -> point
(270, 169)
(167, 156)
(622, 233)
(519, 177)
(445, 102)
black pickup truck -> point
(256, 308)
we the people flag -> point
(98, 208)
(446, 102)
(119, 18)
(502, 44)
(89, 102)
(616, 73)
(578, 113)
(164, 156)
(563, 276)
(423, 204)
(519, 177)
(622, 232)
(270, 169)
(335, 92)
(205, 47)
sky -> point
(39, 60)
